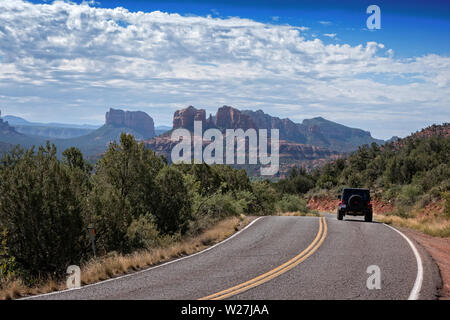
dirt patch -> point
(439, 249)
(323, 204)
(431, 210)
(382, 207)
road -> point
(285, 258)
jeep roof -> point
(364, 193)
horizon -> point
(68, 62)
(98, 125)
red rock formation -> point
(230, 118)
(298, 151)
(138, 121)
(226, 118)
(185, 118)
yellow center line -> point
(320, 237)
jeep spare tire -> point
(355, 202)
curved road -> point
(284, 258)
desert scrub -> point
(292, 203)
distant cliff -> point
(6, 129)
(291, 152)
(316, 131)
(136, 120)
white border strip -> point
(145, 270)
(415, 292)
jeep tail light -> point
(370, 204)
(340, 202)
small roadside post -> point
(91, 231)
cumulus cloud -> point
(63, 56)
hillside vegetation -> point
(133, 198)
(410, 174)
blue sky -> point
(409, 27)
(70, 62)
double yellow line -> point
(285, 267)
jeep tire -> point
(340, 215)
(368, 216)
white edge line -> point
(145, 270)
(415, 292)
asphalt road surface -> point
(286, 258)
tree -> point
(297, 182)
(73, 158)
(123, 190)
(41, 209)
(265, 198)
(174, 207)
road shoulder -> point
(439, 251)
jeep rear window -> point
(365, 195)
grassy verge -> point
(436, 227)
(115, 264)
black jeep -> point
(355, 202)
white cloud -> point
(330, 35)
(56, 54)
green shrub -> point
(292, 203)
(142, 233)
(424, 200)
(298, 182)
(355, 180)
(222, 205)
(124, 188)
(392, 192)
(264, 199)
(409, 194)
(174, 208)
(8, 265)
(401, 211)
(326, 182)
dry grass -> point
(434, 226)
(300, 214)
(115, 264)
(11, 289)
